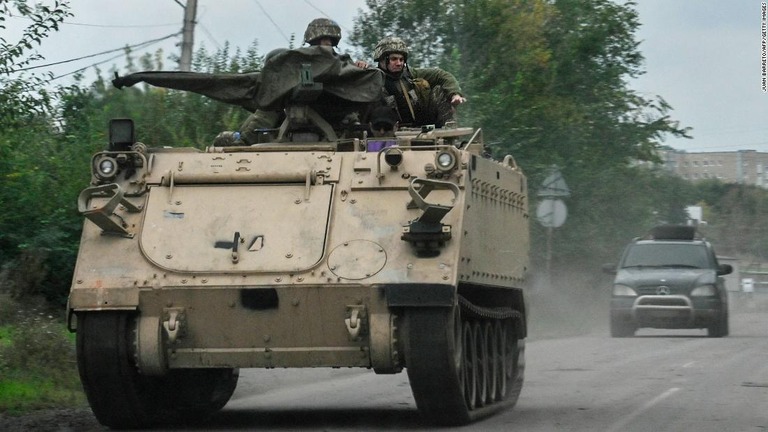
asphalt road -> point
(659, 380)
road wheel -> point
(469, 366)
(500, 333)
(482, 360)
(491, 341)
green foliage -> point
(5, 333)
(400, 17)
(547, 81)
(612, 206)
(23, 94)
(47, 138)
(736, 220)
(23, 392)
(167, 117)
(37, 360)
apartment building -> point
(743, 166)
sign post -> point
(551, 211)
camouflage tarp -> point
(236, 89)
(271, 88)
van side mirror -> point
(724, 269)
(609, 268)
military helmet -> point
(389, 45)
(321, 28)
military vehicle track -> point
(477, 348)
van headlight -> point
(623, 291)
(704, 291)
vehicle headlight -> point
(393, 157)
(445, 161)
(624, 291)
(106, 168)
(704, 291)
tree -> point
(400, 17)
(24, 94)
(547, 81)
(47, 138)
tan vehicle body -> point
(319, 241)
(195, 263)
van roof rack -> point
(672, 232)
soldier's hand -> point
(361, 64)
(457, 99)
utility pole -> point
(188, 35)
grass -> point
(5, 336)
(38, 367)
(21, 393)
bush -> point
(37, 358)
(8, 309)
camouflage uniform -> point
(421, 96)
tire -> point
(119, 396)
(621, 328)
(494, 362)
(191, 395)
(720, 327)
(122, 398)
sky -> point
(704, 57)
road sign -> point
(554, 185)
(551, 213)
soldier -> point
(422, 96)
(323, 32)
(319, 32)
(382, 124)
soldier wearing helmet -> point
(421, 95)
(322, 31)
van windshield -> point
(667, 255)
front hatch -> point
(233, 229)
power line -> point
(269, 17)
(84, 68)
(105, 25)
(138, 45)
(317, 9)
(210, 36)
(121, 26)
(325, 15)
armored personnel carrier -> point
(317, 247)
